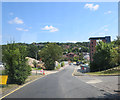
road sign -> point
(3, 79)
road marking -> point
(94, 81)
(23, 86)
(20, 88)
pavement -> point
(63, 85)
(105, 83)
(47, 72)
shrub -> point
(16, 66)
(62, 64)
(104, 57)
(58, 67)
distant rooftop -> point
(97, 38)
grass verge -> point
(112, 71)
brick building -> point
(93, 43)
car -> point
(81, 63)
(77, 63)
(1, 66)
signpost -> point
(3, 79)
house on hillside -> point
(30, 62)
(71, 55)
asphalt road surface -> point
(60, 85)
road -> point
(60, 85)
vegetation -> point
(49, 54)
(62, 64)
(117, 42)
(35, 63)
(111, 71)
(15, 63)
(105, 57)
(58, 67)
(32, 51)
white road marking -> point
(94, 81)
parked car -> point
(77, 63)
(81, 63)
(1, 66)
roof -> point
(92, 38)
(97, 38)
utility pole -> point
(36, 59)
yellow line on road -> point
(19, 88)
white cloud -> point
(50, 28)
(105, 29)
(21, 29)
(108, 12)
(91, 7)
(16, 20)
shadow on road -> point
(106, 96)
(110, 96)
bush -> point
(58, 67)
(16, 66)
(62, 64)
(104, 57)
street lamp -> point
(36, 59)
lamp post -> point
(36, 59)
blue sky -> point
(58, 22)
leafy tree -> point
(76, 58)
(104, 57)
(118, 48)
(15, 63)
(32, 51)
(49, 54)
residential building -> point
(93, 43)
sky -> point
(29, 22)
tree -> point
(104, 57)
(15, 63)
(32, 51)
(118, 48)
(76, 58)
(49, 54)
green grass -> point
(37, 68)
(112, 71)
